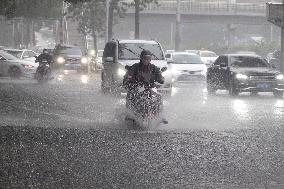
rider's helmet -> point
(145, 53)
(45, 51)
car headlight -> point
(93, 52)
(121, 72)
(241, 76)
(27, 66)
(280, 77)
(204, 72)
(170, 72)
(166, 73)
(84, 60)
(60, 60)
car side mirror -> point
(164, 69)
(272, 66)
(223, 65)
(127, 67)
(109, 59)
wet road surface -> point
(67, 134)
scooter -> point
(43, 73)
(144, 105)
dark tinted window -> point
(246, 61)
(8, 56)
(109, 50)
(132, 51)
(221, 59)
(69, 50)
(168, 55)
(17, 54)
(186, 59)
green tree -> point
(90, 15)
(139, 6)
(30, 11)
(115, 10)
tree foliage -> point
(90, 15)
(142, 4)
(31, 9)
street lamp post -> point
(282, 40)
(177, 40)
(107, 19)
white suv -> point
(119, 53)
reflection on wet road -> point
(189, 106)
(69, 134)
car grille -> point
(192, 72)
(263, 78)
(73, 60)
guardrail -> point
(188, 7)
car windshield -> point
(186, 59)
(208, 54)
(8, 56)
(192, 51)
(70, 51)
(17, 54)
(251, 62)
(132, 51)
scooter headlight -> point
(60, 60)
(280, 77)
(241, 76)
(84, 60)
(121, 72)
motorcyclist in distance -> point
(44, 56)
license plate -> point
(187, 78)
(263, 85)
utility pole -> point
(282, 40)
(107, 19)
(61, 32)
(177, 39)
(137, 19)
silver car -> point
(15, 67)
(24, 54)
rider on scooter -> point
(142, 72)
(42, 59)
(44, 56)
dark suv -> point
(70, 57)
(244, 73)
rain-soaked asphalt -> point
(67, 134)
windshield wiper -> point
(131, 51)
(151, 53)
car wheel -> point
(232, 89)
(15, 72)
(278, 94)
